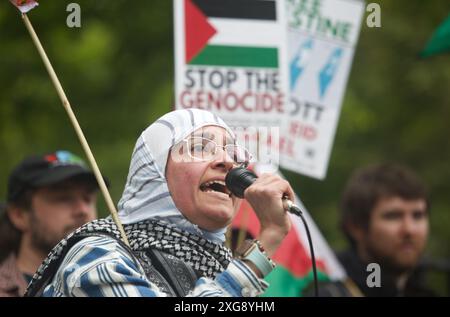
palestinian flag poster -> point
(293, 276)
(231, 59)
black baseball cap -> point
(46, 170)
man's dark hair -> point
(10, 236)
(368, 185)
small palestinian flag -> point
(24, 5)
(235, 33)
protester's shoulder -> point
(329, 289)
(348, 260)
(12, 282)
(335, 289)
(417, 285)
(8, 265)
(96, 247)
(5, 261)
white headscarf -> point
(146, 194)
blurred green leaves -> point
(116, 71)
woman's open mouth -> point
(217, 187)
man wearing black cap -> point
(48, 197)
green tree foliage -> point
(117, 71)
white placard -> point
(231, 59)
(322, 39)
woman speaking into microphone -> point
(175, 209)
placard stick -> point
(73, 119)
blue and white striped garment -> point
(100, 267)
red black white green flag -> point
(225, 33)
(231, 59)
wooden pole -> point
(73, 119)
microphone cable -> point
(296, 210)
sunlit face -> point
(198, 187)
(58, 210)
(397, 232)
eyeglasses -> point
(202, 149)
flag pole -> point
(73, 119)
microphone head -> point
(238, 179)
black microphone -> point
(240, 178)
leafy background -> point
(117, 71)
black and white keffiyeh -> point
(205, 257)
